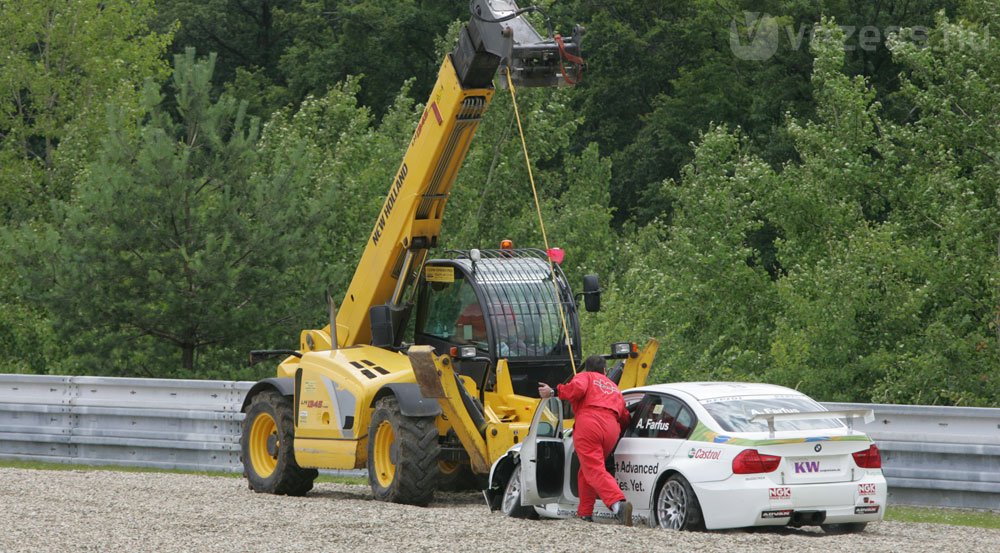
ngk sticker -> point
(866, 489)
(781, 493)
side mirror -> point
(592, 293)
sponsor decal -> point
(699, 453)
(605, 386)
(772, 411)
(866, 509)
(649, 424)
(809, 467)
(776, 513)
(626, 467)
(314, 404)
(780, 493)
(721, 399)
(818, 448)
(866, 489)
(806, 466)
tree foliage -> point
(819, 210)
(175, 244)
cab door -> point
(543, 456)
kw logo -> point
(806, 466)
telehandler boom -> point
(486, 326)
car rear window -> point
(735, 414)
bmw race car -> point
(708, 455)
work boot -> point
(587, 519)
(623, 512)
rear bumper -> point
(734, 504)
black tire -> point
(510, 503)
(844, 528)
(676, 505)
(266, 447)
(402, 455)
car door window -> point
(655, 417)
(683, 424)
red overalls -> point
(600, 417)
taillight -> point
(750, 461)
(868, 458)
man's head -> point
(595, 364)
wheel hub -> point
(673, 506)
(272, 445)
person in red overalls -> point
(600, 418)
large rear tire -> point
(402, 455)
(266, 447)
(677, 507)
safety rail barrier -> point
(156, 423)
(936, 456)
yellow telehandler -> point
(486, 325)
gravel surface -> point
(102, 511)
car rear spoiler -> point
(867, 415)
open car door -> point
(543, 457)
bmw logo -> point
(818, 448)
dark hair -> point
(595, 364)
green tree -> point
(697, 284)
(176, 247)
(62, 61)
(277, 52)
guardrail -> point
(937, 456)
(168, 424)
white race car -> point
(708, 455)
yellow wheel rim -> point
(385, 469)
(449, 467)
(260, 432)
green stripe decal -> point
(703, 434)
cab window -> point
(453, 313)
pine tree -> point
(176, 244)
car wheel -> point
(844, 528)
(511, 503)
(677, 507)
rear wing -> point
(867, 415)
